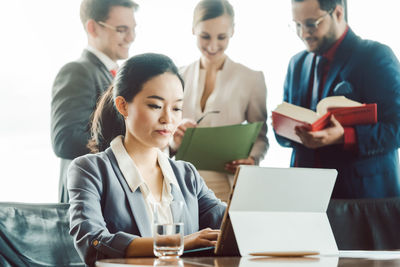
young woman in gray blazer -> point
(113, 191)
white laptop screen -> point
(282, 189)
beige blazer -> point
(240, 94)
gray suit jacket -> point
(106, 215)
(75, 92)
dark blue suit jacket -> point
(367, 72)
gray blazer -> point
(105, 215)
(75, 92)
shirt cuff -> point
(350, 139)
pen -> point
(205, 114)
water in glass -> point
(168, 240)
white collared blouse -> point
(135, 180)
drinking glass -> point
(168, 237)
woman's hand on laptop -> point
(204, 238)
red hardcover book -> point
(348, 112)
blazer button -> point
(95, 242)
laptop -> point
(278, 210)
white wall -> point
(36, 43)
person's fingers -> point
(190, 124)
(209, 236)
(248, 161)
(179, 133)
(182, 128)
(209, 230)
(204, 238)
(318, 135)
(187, 123)
(335, 121)
(205, 243)
(301, 129)
(306, 139)
(231, 168)
(240, 161)
(302, 135)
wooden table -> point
(322, 261)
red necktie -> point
(113, 72)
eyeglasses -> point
(310, 26)
(123, 30)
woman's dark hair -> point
(210, 9)
(107, 122)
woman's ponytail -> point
(107, 123)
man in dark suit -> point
(110, 27)
(365, 156)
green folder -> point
(210, 148)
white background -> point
(38, 37)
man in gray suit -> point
(110, 27)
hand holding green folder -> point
(210, 148)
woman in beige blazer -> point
(223, 91)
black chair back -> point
(36, 235)
(365, 224)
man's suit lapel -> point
(342, 55)
(89, 56)
(135, 200)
